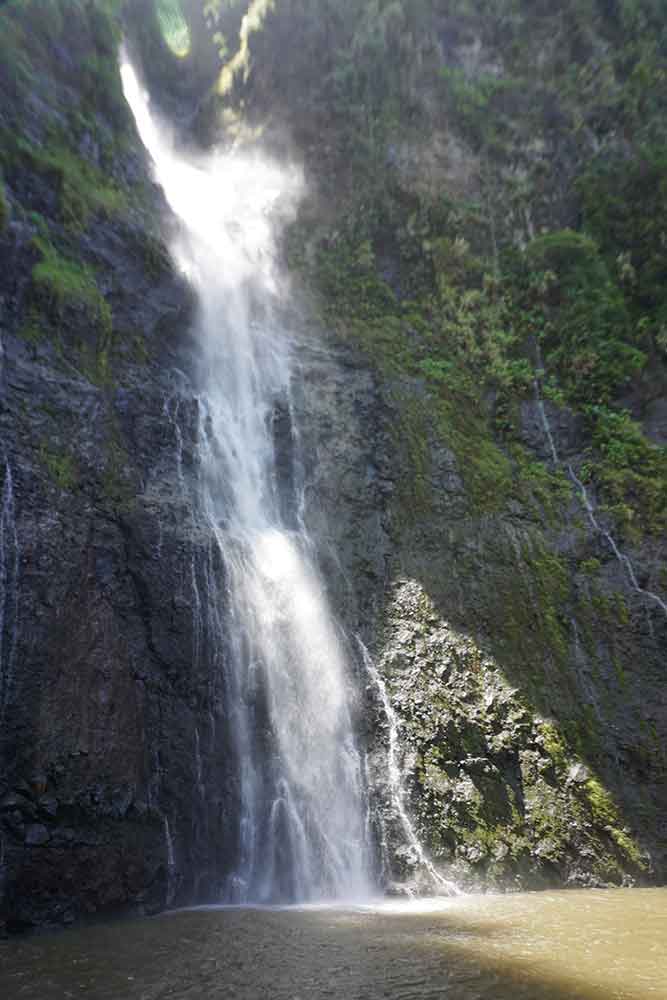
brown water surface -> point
(589, 945)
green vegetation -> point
(35, 327)
(458, 332)
(82, 189)
(61, 467)
(174, 27)
(605, 813)
(62, 284)
(593, 349)
(580, 317)
(591, 567)
(554, 745)
(71, 144)
(445, 285)
(65, 298)
(631, 472)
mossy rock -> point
(60, 283)
(61, 467)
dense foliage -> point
(541, 258)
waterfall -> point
(171, 861)
(587, 504)
(289, 700)
(9, 572)
(396, 782)
(621, 557)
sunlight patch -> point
(252, 21)
(173, 26)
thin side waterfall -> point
(622, 558)
(588, 506)
(171, 862)
(288, 692)
(9, 575)
(396, 782)
(580, 664)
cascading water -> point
(587, 503)
(396, 786)
(300, 803)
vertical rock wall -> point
(113, 779)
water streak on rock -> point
(588, 506)
(396, 783)
(171, 862)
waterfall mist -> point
(287, 680)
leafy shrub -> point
(586, 329)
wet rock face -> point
(522, 666)
(499, 797)
(346, 453)
(112, 718)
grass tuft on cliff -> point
(61, 284)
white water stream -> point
(397, 789)
(288, 693)
(588, 506)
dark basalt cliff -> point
(524, 658)
(104, 697)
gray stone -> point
(36, 835)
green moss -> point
(64, 295)
(29, 30)
(411, 440)
(590, 567)
(174, 27)
(96, 363)
(61, 283)
(622, 611)
(552, 578)
(83, 189)
(605, 813)
(629, 848)
(34, 329)
(630, 471)
(344, 270)
(602, 805)
(61, 467)
(553, 744)
(548, 819)
(485, 468)
(140, 352)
